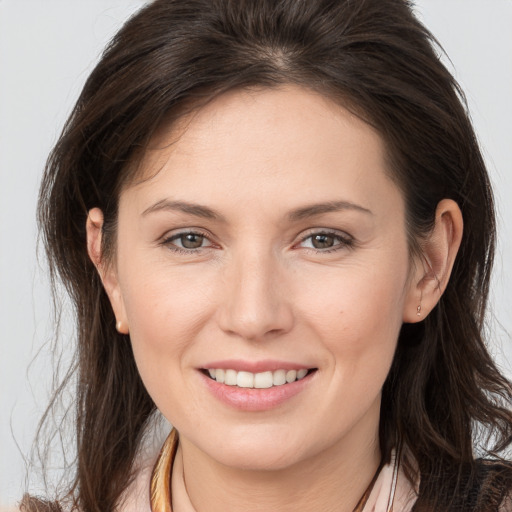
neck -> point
(333, 480)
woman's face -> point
(267, 241)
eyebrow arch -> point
(182, 206)
(294, 216)
(320, 208)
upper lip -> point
(255, 366)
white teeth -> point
(301, 374)
(262, 380)
(245, 380)
(230, 378)
(291, 375)
(279, 378)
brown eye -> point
(191, 240)
(188, 242)
(322, 241)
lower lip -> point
(251, 399)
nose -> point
(254, 303)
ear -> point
(432, 269)
(106, 270)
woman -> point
(277, 228)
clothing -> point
(389, 496)
(486, 491)
(392, 491)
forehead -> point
(283, 142)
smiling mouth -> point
(262, 380)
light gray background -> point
(47, 49)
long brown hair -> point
(377, 59)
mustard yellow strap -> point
(160, 497)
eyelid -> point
(168, 239)
(346, 240)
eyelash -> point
(168, 242)
(344, 241)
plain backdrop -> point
(47, 49)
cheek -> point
(356, 306)
(357, 313)
(166, 309)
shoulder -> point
(34, 504)
(493, 484)
(136, 497)
(485, 486)
(480, 486)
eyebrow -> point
(293, 216)
(182, 206)
(321, 208)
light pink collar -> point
(392, 491)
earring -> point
(119, 327)
(418, 309)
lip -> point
(255, 400)
(268, 365)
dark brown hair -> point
(372, 56)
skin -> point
(258, 289)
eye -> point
(323, 241)
(191, 240)
(326, 241)
(188, 241)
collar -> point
(391, 491)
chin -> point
(259, 458)
(256, 449)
